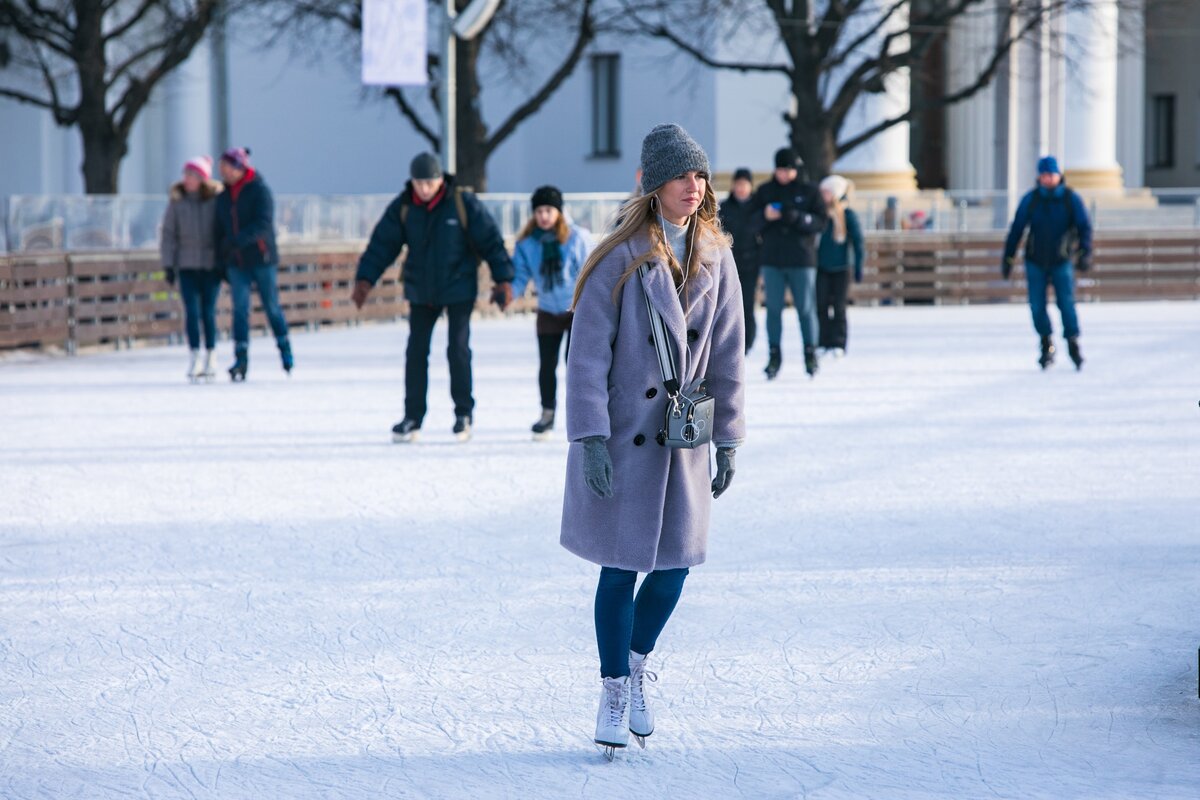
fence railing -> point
(73, 300)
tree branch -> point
(411, 115)
(134, 19)
(859, 41)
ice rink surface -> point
(939, 572)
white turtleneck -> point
(676, 236)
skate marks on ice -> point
(940, 574)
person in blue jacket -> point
(245, 221)
(447, 230)
(1060, 239)
(549, 254)
(841, 249)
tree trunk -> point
(471, 129)
(103, 151)
(810, 131)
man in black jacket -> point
(789, 214)
(446, 230)
(736, 213)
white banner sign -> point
(394, 41)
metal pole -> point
(449, 93)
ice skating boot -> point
(462, 427)
(810, 361)
(195, 366)
(1047, 357)
(542, 428)
(1075, 353)
(241, 362)
(612, 718)
(210, 365)
(406, 431)
(641, 718)
(285, 354)
(774, 361)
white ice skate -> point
(641, 718)
(210, 365)
(195, 366)
(612, 719)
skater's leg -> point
(1063, 277)
(548, 346)
(421, 320)
(190, 290)
(267, 280)
(614, 620)
(748, 275)
(1036, 280)
(804, 292)
(459, 355)
(824, 307)
(653, 607)
(839, 290)
(210, 292)
(775, 285)
(239, 287)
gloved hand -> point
(858, 275)
(597, 466)
(725, 471)
(169, 273)
(1085, 261)
(502, 295)
(361, 290)
(1006, 267)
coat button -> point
(651, 393)
(639, 440)
(693, 335)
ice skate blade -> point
(640, 739)
(405, 438)
(542, 437)
(609, 750)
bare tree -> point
(93, 64)
(520, 38)
(835, 52)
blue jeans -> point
(240, 281)
(1062, 277)
(199, 289)
(803, 283)
(623, 623)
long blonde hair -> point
(704, 232)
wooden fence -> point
(73, 300)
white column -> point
(882, 163)
(1090, 159)
(1131, 94)
(187, 101)
(970, 125)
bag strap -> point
(662, 345)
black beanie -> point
(743, 174)
(547, 196)
(786, 158)
(425, 167)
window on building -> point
(606, 94)
(1162, 132)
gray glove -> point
(597, 466)
(724, 471)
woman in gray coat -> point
(188, 249)
(633, 505)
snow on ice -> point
(939, 573)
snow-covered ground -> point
(939, 573)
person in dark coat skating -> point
(789, 214)
(1059, 242)
(446, 230)
(631, 504)
(737, 220)
(246, 249)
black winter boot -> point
(810, 361)
(1074, 351)
(774, 360)
(1047, 357)
(542, 428)
(285, 354)
(241, 362)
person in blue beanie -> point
(550, 252)
(1059, 242)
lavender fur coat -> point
(658, 515)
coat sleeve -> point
(387, 240)
(168, 247)
(1019, 224)
(854, 231)
(488, 241)
(261, 218)
(726, 374)
(1083, 223)
(812, 217)
(522, 269)
(581, 248)
(593, 334)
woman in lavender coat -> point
(633, 505)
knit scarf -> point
(552, 260)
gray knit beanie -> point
(667, 152)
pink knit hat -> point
(201, 165)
